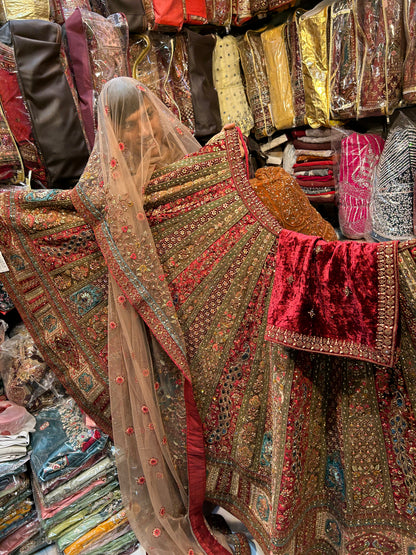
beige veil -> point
(148, 372)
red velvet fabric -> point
(336, 297)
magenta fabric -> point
(359, 157)
(335, 297)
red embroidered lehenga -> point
(314, 453)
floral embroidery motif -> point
(141, 480)
(156, 532)
(113, 325)
(119, 380)
(130, 430)
(153, 461)
(145, 410)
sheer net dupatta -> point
(152, 406)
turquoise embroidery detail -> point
(333, 532)
(85, 381)
(263, 508)
(334, 475)
(266, 450)
(17, 262)
(86, 298)
(50, 323)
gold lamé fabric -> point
(277, 65)
(283, 196)
(23, 9)
(314, 51)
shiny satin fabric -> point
(46, 91)
(313, 28)
(23, 9)
(277, 64)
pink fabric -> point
(335, 297)
(359, 158)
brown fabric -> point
(134, 12)
(204, 96)
(55, 120)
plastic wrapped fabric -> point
(392, 204)
(49, 98)
(381, 48)
(165, 71)
(134, 12)
(219, 12)
(256, 82)
(168, 13)
(29, 9)
(77, 548)
(62, 9)
(117, 546)
(228, 83)
(360, 154)
(14, 467)
(11, 164)
(204, 96)
(6, 304)
(26, 377)
(14, 419)
(19, 537)
(278, 5)
(295, 67)
(90, 519)
(11, 521)
(409, 69)
(241, 11)
(344, 65)
(97, 48)
(313, 27)
(17, 114)
(95, 477)
(62, 441)
(277, 64)
(259, 8)
(58, 522)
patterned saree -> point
(282, 430)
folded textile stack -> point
(75, 484)
(18, 519)
(312, 158)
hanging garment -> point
(219, 12)
(359, 157)
(313, 29)
(256, 82)
(391, 206)
(295, 67)
(134, 12)
(160, 12)
(241, 11)
(204, 96)
(98, 52)
(48, 96)
(380, 46)
(17, 114)
(62, 9)
(228, 83)
(165, 70)
(11, 164)
(277, 65)
(15, 9)
(409, 69)
(344, 66)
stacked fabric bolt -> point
(312, 158)
(18, 519)
(75, 484)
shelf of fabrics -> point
(62, 490)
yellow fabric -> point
(277, 66)
(227, 79)
(23, 9)
(314, 52)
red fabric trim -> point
(196, 476)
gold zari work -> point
(35, 9)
